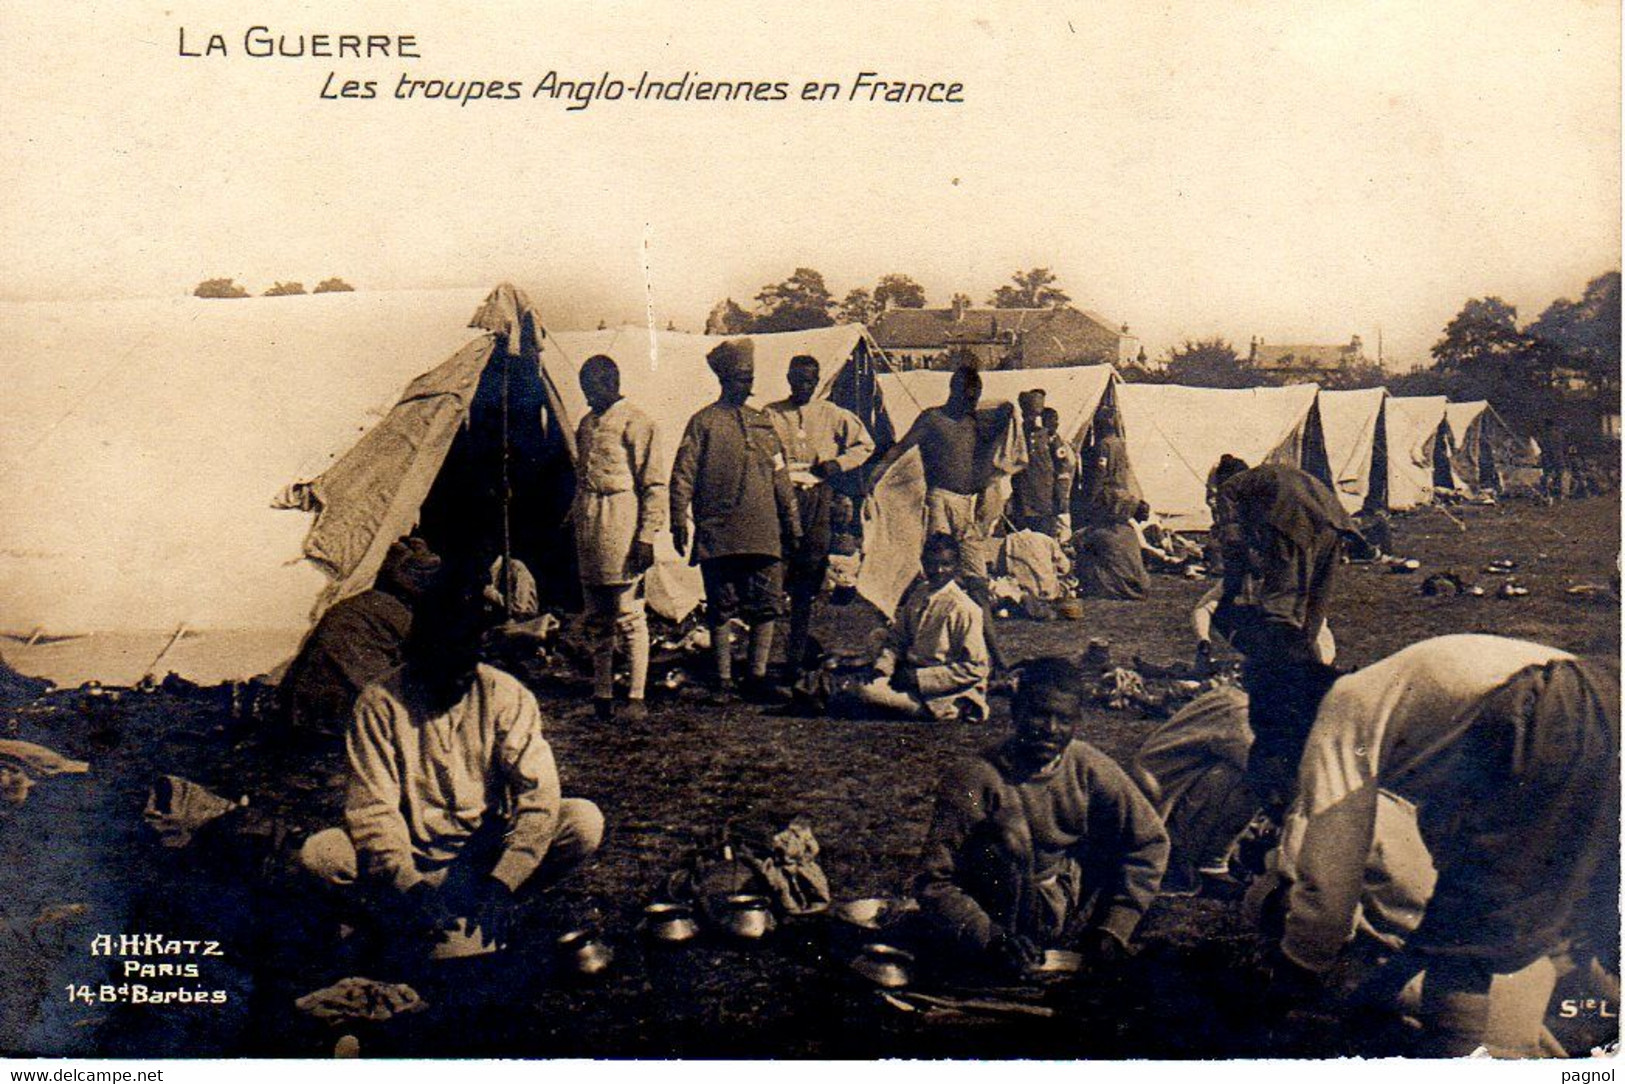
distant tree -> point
(1583, 336)
(1142, 372)
(727, 318)
(1484, 332)
(1033, 289)
(857, 307)
(1483, 355)
(1209, 363)
(1428, 381)
(800, 302)
(285, 289)
(219, 288)
(961, 301)
(333, 286)
(1365, 374)
(899, 292)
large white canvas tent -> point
(143, 444)
(156, 457)
(1356, 446)
(1416, 457)
(666, 375)
(1175, 436)
(1486, 453)
(894, 514)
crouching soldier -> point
(453, 809)
(1041, 842)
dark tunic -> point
(1280, 530)
(1033, 488)
(356, 642)
(1013, 854)
(1107, 492)
(1521, 817)
(1109, 563)
(730, 466)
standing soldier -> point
(821, 441)
(1035, 485)
(957, 453)
(1281, 532)
(1066, 474)
(730, 469)
(620, 479)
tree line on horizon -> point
(804, 301)
(1560, 369)
(1556, 371)
(227, 289)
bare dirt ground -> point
(1193, 991)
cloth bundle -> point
(361, 999)
(23, 762)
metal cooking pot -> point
(582, 951)
(884, 965)
(748, 917)
(672, 923)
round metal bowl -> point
(582, 950)
(748, 917)
(866, 913)
(672, 923)
(884, 965)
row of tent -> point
(186, 484)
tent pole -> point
(507, 500)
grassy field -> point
(1193, 991)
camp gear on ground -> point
(361, 999)
(1035, 561)
(459, 940)
(38, 760)
(176, 808)
(779, 865)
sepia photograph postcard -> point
(1045, 530)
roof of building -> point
(938, 328)
(1304, 355)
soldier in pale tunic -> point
(620, 505)
(822, 441)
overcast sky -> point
(1298, 170)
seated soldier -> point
(935, 662)
(1161, 548)
(357, 641)
(1041, 840)
(1036, 562)
(453, 808)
